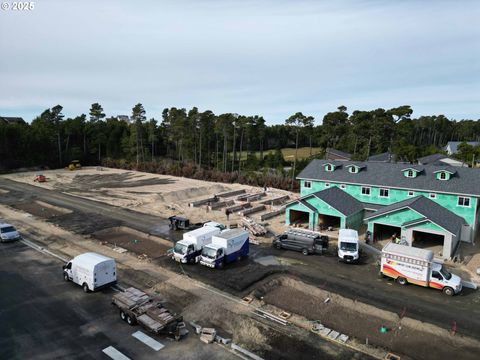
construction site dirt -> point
(104, 221)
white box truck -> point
(189, 249)
(412, 265)
(348, 246)
(91, 271)
(226, 247)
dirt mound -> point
(404, 335)
(191, 193)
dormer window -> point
(354, 168)
(444, 174)
(411, 172)
(329, 167)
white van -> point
(91, 271)
(348, 246)
(8, 233)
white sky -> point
(271, 58)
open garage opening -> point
(298, 217)
(426, 240)
(385, 232)
(328, 221)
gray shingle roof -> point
(430, 159)
(465, 182)
(338, 199)
(383, 157)
(338, 153)
(454, 145)
(429, 209)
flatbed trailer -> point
(137, 307)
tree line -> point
(223, 144)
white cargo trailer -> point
(408, 264)
(91, 271)
(226, 247)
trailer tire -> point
(305, 252)
(123, 316)
(130, 321)
(402, 280)
(448, 291)
(65, 277)
(85, 288)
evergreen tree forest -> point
(226, 147)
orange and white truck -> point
(412, 265)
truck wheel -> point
(85, 288)
(448, 291)
(177, 337)
(220, 264)
(65, 277)
(123, 316)
(402, 281)
(305, 252)
(130, 321)
(278, 246)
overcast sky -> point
(271, 58)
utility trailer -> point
(137, 307)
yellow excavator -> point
(74, 165)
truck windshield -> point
(209, 252)
(7, 229)
(347, 246)
(180, 248)
(446, 275)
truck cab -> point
(442, 279)
(212, 255)
(348, 245)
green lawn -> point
(288, 153)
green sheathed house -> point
(416, 202)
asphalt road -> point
(43, 317)
(354, 281)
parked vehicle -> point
(91, 271)
(226, 247)
(348, 245)
(8, 233)
(308, 242)
(189, 249)
(417, 266)
(137, 307)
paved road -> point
(43, 317)
(353, 281)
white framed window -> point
(365, 191)
(327, 184)
(443, 175)
(411, 193)
(343, 186)
(432, 196)
(353, 169)
(410, 173)
(329, 167)
(385, 193)
(307, 184)
(463, 201)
